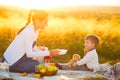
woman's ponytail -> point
(28, 20)
(34, 15)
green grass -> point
(6, 37)
(69, 33)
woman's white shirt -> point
(91, 60)
(23, 44)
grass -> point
(69, 33)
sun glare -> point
(45, 4)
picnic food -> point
(51, 64)
(72, 62)
(24, 74)
(37, 75)
(47, 70)
(40, 66)
(42, 71)
(48, 59)
(51, 70)
(85, 51)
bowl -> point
(62, 51)
(51, 73)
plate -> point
(62, 51)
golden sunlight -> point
(45, 4)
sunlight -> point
(45, 4)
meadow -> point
(66, 29)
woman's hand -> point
(43, 48)
(54, 53)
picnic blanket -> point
(61, 74)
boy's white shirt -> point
(23, 44)
(91, 60)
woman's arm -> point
(29, 39)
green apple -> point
(40, 66)
(50, 68)
(55, 68)
(42, 71)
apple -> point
(43, 70)
(51, 70)
(40, 66)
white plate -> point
(62, 51)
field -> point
(67, 28)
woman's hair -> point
(40, 15)
(93, 38)
(34, 15)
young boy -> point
(90, 61)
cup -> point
(47, 59)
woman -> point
(22, 50)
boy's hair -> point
(92, 37)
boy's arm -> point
(86, 59)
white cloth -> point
(91, 60)
(23, 44)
